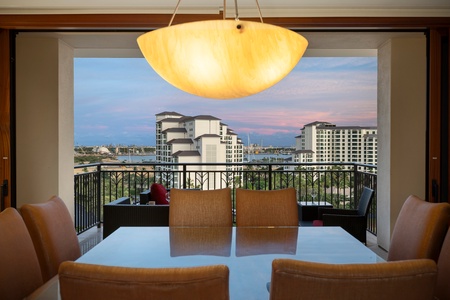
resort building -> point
(326, 142)
(199, 139)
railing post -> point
(270, 176)
(184, 176)
(99, 193)
(355, 181)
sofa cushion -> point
(158, 192)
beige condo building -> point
(197, 139)
(328, 143)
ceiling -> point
(246, 7)
(123, 44)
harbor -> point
(146, 154)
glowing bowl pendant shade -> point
(222, 59)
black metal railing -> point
(338, 183)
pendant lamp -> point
(222, 59)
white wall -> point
(44, 99)
(401, 128)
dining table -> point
(247, 251)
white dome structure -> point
(103, 150)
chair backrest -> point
(419, 230)
(442, 291)
(53, 233)
(20, 273)
(409, 279)
(266, 208)
(200, 208)
(87, 281)
(364, 201)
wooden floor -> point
(94, 236)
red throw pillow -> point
(158, 192)
(317, 223)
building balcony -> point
(337, 183)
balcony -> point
(336, 183)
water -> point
(266, 157)
(247, 158)
(136, 158)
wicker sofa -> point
(123, 213)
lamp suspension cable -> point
(236, 17)
(259, 11)
(174, 12)
(236, 12)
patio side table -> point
(308, 210)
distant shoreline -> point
(247, 157)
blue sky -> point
(116, 101)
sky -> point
(116, 101)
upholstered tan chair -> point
(200, 208)
(87, 281)
(53, 233)
(20, 273)
(419, 230)
(409, 279)
(266, 208)
(442, 291)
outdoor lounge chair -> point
(354, 221)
